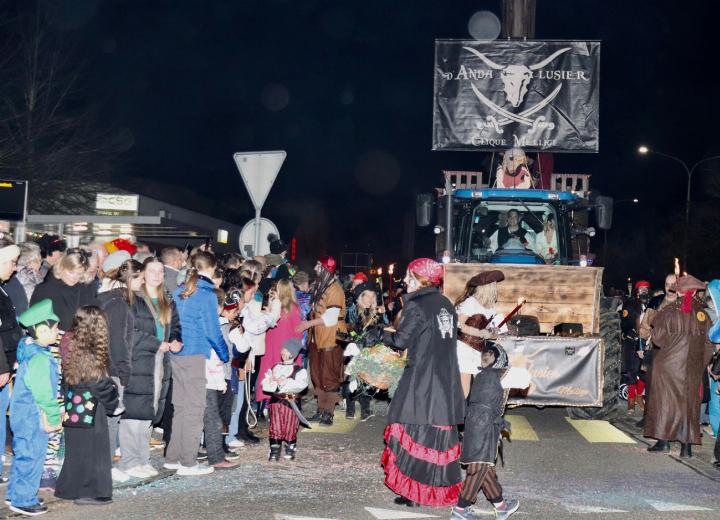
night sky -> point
(346, 88)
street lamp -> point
(644, 150)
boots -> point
(274, 450)
(685, 451)
(349, 409)
(663, 446)
(326, 419)
(290, 450)
(631, 405)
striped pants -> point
(481, 476)
(284, 424)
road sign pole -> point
(258, 171)
(256, 247)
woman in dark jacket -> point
(421, 456)
(64, 286)
(10, 333)
(156, 331)
(118, 295)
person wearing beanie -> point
(284, 382)
(51, 248)
(680, 333)
(278, 250)
(325, 355)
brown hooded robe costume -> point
(673, 412)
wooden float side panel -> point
(553, 293)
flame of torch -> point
(677, 267)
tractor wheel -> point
(610, 332)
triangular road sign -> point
(258, 171)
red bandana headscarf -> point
(427, 268)
(328, 262)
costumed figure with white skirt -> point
(478, 321)
(284, 382)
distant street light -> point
(644, 150)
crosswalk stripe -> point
(295, 517)
(592, 509)
(392, 514)
(599, 431)
(521, 428)
(671, 506)
(340, 425)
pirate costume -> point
(284, 382)
(481, 441)
(470, 347)
(422, 445)
(326, 356)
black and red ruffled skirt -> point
(421, 463)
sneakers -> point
(37, 509)
(7, 502)
(365, 415)
(462, 514)
(226, 464)
(119, 476)
(231, 455)
(511, 505)
(101, 501)
(150, 470)
(171, 465)
(194, 471)
(235, 443)
(139, 472)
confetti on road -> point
(340, 425)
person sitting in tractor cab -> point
(546, 242)
(513, 229)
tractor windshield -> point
(497, 226)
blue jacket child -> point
(34, 410)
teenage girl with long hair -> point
(85, 476)
(197, 307)
(156, 330)
(286, 309)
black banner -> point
(563, 371)
(536, 95)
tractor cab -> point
(516, 226)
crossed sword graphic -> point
(519, 118)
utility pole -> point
(518, 20)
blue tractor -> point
(567, 333)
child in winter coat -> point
(212, 421)
(483, 426)
(285, 381)
(34, 411)
(90, 397)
